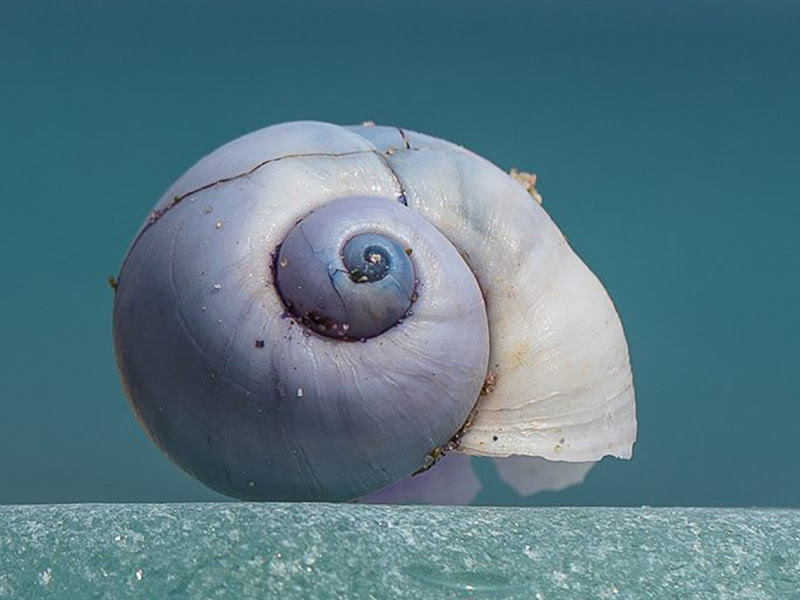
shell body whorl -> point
(263, 392)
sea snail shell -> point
(311, 312)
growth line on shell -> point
(156, 215)
(181, 197)
(402, 196)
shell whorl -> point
(250, 399)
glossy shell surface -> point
(233, 383)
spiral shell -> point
(312, 312)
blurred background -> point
(666, 137)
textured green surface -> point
(345, 551)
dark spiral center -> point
(372, 264)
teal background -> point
(666, 137)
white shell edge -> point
(563, 388)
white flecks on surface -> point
(46, 577)
(346, 551)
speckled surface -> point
(352, 551)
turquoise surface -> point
(248, 551)
(665, 136)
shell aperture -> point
(226, 304)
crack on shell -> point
(402, 197)
(406, 141)
(155, 215)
